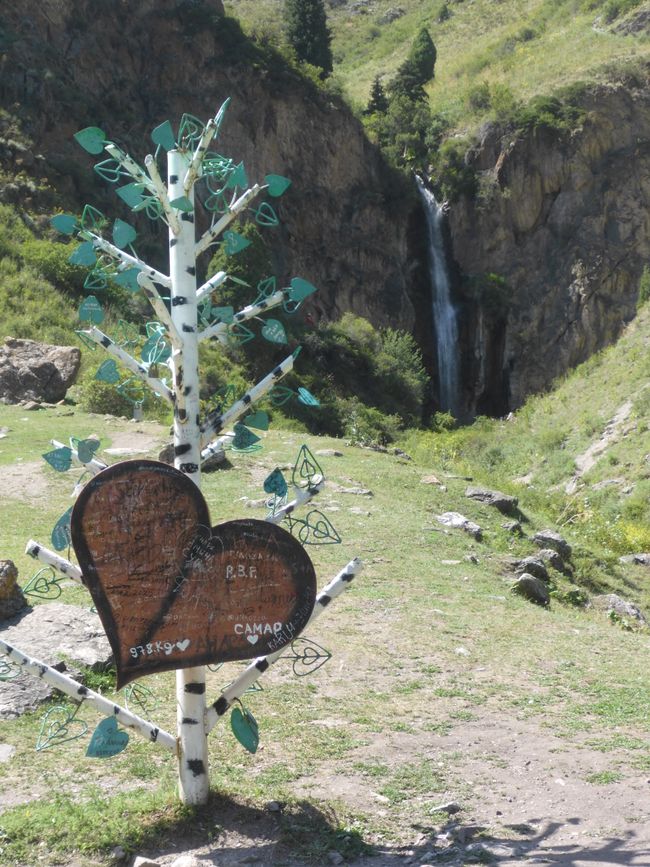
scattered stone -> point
(450, 562)
(355, 510)
(4, 431)
(30, 405)
(188, 861)
(166, 454)
(6, 752)
(431, 480)
(471, 558)
(612, 602)
(458, 521)
(636, 559)
(461, 651)
(550, 556)
(274, 807)
(551, 539)
(142, 861)
(52, 632)
(255, 504)
(117, 854)
(11, 596)
(533, 566)
(335, 857)
(503, 502)
(451, 808)
(531, 588)
(358, 492)
(607, 483)
(329, 453)
(391, 15)
(402, 454)
(513, 527)
(36, 371)
(217, 459)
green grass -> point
(530, 47)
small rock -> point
(335, 857)
(533, 589)
(471, 558)
(11, 596)
(451, 808)
(533, 566)
(355, 510)
(551, 556)
(329, 453)
(166, 454)
(551, 539)
(255, 504)
(142, 861)
(117, 854)
(636, 559)
(612, 602)
(3, 432)
(274, 807)
(503, 502)
(431, 480)
(359, 492)
(6, 752)
(513, 527)
(458, 521)
(401, 454)
(30, 405)
(461, 651)
(189, 861)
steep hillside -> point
(67, 64)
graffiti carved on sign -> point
(174, 592)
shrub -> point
(644, 287)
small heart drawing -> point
(171, 590)
(107, 740)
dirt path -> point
(588, 459)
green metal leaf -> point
(275, 483)
(266, 216)
(61, 533)
(110, 170)
(85, 448)
(123, 234)
(131, 194)
(96, 280)
(60, 459)
(60, 726)
(244, 439)
(245, 729)
(235, 242)
(277, 185)
(222, 314)
(220, 115)
(306, 397)
(108, 372)
(190, 130)
(274, 331)
(301, 289)
(90, 310)
(182, 203)
(237, 178)
(84, 255)
(107, 740)
(91, 139)
(128, 278)
(92, 219)
(163, 135)
(65, 223)
(259, 420)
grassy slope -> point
(532, 46)
(396, 634)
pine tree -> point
(307, 31)
(378, 102)
(417, 69)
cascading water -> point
(444, 315)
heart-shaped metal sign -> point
(174, 592)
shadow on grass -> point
(229, 830)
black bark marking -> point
(195, 688)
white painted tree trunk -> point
(190, 682)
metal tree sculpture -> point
(185, 317)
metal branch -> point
(210, 285)
(93, 466)
(161, 194)
(233, 212)
(127, 162)
(254, 671)
(81, 693)
(197, 158)
(65, 567)
(215, 421)
(303, 495)
(156, 385)
(161, 311)
(132, 261)
(220, 329)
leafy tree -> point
(378, 102)
(307, 31)
(422, 56)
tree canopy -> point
(306, 27)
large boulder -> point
(503, 502)
(36, 371)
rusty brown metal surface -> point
(174, 592)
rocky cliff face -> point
(564, 220)
(127, 65)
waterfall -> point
(444, 315)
